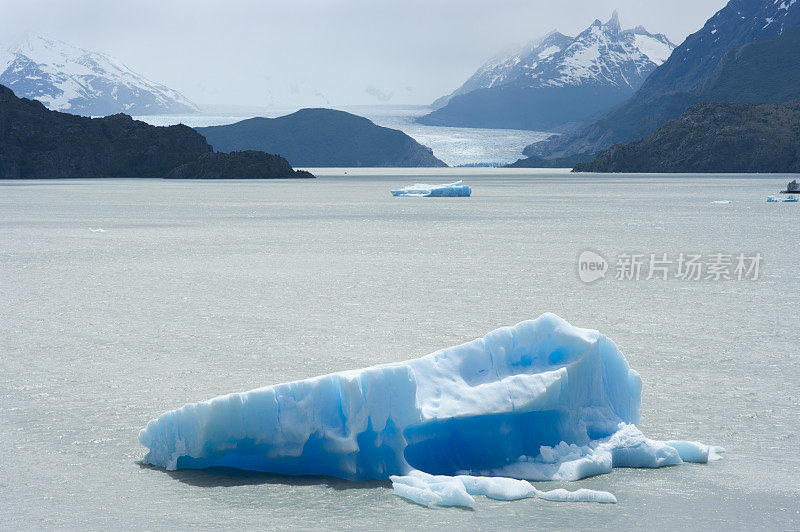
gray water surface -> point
(202, 288)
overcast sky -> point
(318, 52)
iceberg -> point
(457, 189)
(542, 400)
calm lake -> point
(195, 289)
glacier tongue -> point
(542, 400)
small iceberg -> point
(772, 199)
(722, 202)
(542, 400)
(790, 199)
(98, 230)
(457, 189)
(438, 490)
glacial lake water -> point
(196, 289)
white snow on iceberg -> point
(457, 189)
(542, 400)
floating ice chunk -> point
(630, 448)
(430, 490)
(542, 400)
(476, 406)
(425, 496)
(98, 230)
(694, 451)
(499, 488)
(627, 447)
(442, 490)
(581, 495)
(439, 490)
(714, 452)
(722, 202)
(421, 190)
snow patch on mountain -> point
(71, 79)
(656, 50)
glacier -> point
(420, 190)
(542, 400)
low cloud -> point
(378, 94)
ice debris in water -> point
(627, 447)
(98, 230)
(439, 490)
(542, 400)
(429, 191)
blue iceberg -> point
(542, 400)
(457, 189)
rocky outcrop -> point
(38, 143)
(323, 138)
(539, 162)
(713, 137)
(238, 165)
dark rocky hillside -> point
(323, 138)
(38, 143)
(540, 162)
(238, 165)
(713, 137)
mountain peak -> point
(558, 78)
(36, 43)
(613, 23)
(601, 55)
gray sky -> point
(316, 52)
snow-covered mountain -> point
(603, 54)
(604, 58)
(699, 71)
(74, 80)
